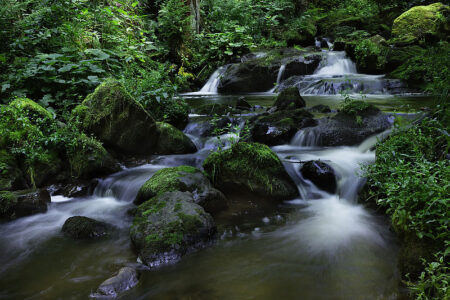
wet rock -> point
(212, 109)
(207, 128)
(260, 74)
(168, 226)
(321, 174)
(253, 167)
(242, 104)
(172, 141)
(289, 99)
(320, 108)
(23, 203)
(79, 188)
(117, 120)
(350, 129)
(79, 227)
(183, 179)
(339, 46)
(126, 279)
(279, 127)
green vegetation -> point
(410, 180)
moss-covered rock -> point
(183, 179)
(370, 55)
(42, 171)
(397, 56)
(421, 24)
(117, 120)
(79, 227)
(89, 159)
(172, 141)
(23, 203)
(11, 177)
(31, 109)
(253, 167)
(300, 32)
(279, 127)
(355, 122)
(289, 99)
(168, 226)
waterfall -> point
(336, 63)
(279, 76)
(213, 82)
(306, 137)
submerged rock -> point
(289, 99)
(168, 226)
(279, 127)
(321, 174)
(23, 203)
(253, 167)
(126, 279)
(421, 24)
(242, 104)
(183, 179)
(79, 227)
(172, 141)
(117, 120)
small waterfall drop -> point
(279, 76)
(213, 82)
(336, 63)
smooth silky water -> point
(320, 246)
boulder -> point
(23, 203)
(321, 174)
(78, 188)
(370, 55)
(172, 141)
(260, 73)
(31, 109)
(421, 24)
(183, 179)
(351, 126)
(117, 120)
(126, 279)
(209, 128)
(279, 127)
(252, 167)
(89, 159)
(80, 228)
(289, 99)
(168, 226)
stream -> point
(320, 246)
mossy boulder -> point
(289, 99)
(41, 172)
(11, 177)
(183, 179)
(279, 127)
(321, 174)
(80, 228)
(89, 159)
(421, 24)
(397, 56)
(168, 226)
(32, 110)
(301, 31)
(23, 203)
(117, 120)
(371, 54)
(172, 141)
(252, 167)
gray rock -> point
(126, 279)
(79, 227)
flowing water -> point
(319, 246)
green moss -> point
(252, 166)
(419, 22)
(165, 180)
(31, 108)
(172, 140)
(7, 202)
